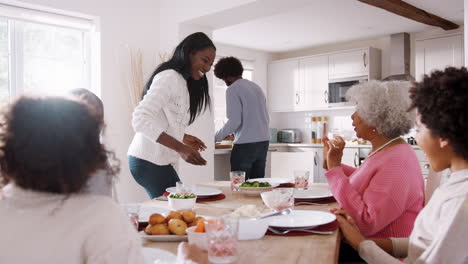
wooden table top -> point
(270, 249)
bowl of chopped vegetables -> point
(182, 201)
(255, 188)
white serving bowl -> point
(199, 239)
(252, 228)
(181, 204)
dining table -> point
(314, 248)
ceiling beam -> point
(409, 11)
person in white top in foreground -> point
(440, 230)
(49, 148)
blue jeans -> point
(251, 158)
(154, 178)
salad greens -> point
(255, 184)
(182, 195)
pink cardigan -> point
(384, 195)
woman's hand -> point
(348, 227)
(187, 251)
(334, 152)
(190, 155)
(194, 142)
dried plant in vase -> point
(135, 82)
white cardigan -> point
(440, 230)
(165, 108)
(47, 228)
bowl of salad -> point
(182, 201)
(255, 188)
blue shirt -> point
(246, 112)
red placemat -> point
(318, 200)
(286, 185)
(206, 199)
(327, 227)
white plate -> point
(272, 180)
(200, 191)
(162, 238)
(147, 210)
(302, 219)
(312, 193)
(158, 256)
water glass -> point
(279, 199)
(237, 177)
(301, 179)
(222, 239)
(184, 188)
(132, 210)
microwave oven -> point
(337, 89)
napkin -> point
(327, 227)
(206, 199)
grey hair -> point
(384, 105)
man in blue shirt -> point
(247, 118)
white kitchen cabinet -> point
(438, 53)
(283, 85)
(283, 164)
(354, 63)
(313, 82)
(350, 157)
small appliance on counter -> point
(290, 135)
(274, 135)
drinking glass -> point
(301, 179)
(184, 188)
(237, 177)
(132, 210)
(222, 239)
(279, 199)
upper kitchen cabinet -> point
(438, 53)
(298, 84)
(313, 82)
(283, 85)
(354, 63)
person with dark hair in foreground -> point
(247, 118)
(440, 232)
(49, 148)
(175, 94)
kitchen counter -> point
(275, 146)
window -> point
(219, 93)
(43, 52)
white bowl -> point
(252, 228)
(199, 239)
(182, 204)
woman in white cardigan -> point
(174, 96)
(440, 233)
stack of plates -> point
(200, 191)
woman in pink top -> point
(385, 194)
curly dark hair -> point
(51, 144)
(441, 99)
(228, 67)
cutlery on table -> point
(285, 211)
(299, 230)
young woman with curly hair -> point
(439, 234)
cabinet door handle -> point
(273, 150)
(315, 158)
(364, 59)
(356, 159)
(325, 97)
(427, 166)
(297, 98)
